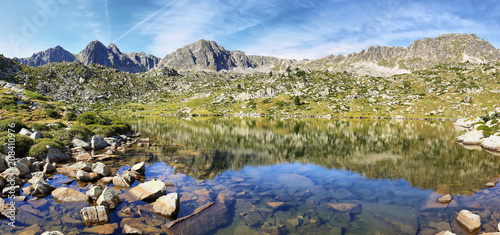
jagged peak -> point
(95, 44)
(114, 48)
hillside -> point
(194, 88)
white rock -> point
(25, 132)
(471, 137)
(491, 143)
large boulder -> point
(94, 215)
(23, 169)
(55, 155)
(69, 195)
(491, 143)
(81, 143)
(167, 205)
(109, 199)
(101, 169)
(98, 142)
(149, 190)
(469, 221)
(48, 168)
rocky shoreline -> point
(81, 163)
(482, 132)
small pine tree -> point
(296, 100)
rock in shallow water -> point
(69, 195)
(109, 199)
(94, 215)
(94, 192)
(149, 190)
(445, 199)
(167, 205)
(469, 221)
(295, 181)
(350, 208)
(101, 169)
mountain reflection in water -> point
(421, 152)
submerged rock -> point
(149, 190)
(275, 205)
(94, 215)
(469, 221)
(350, 208)
(295, 181)
(167, 205)
(69, 195)
(202, 221)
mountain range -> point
(206, 55)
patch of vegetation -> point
(34, 95)
(51, 113)
(89, 118)
(39, 150)
(22, 145)
(8, 123)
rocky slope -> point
(422, 54)
(208, 56)
(96, 53)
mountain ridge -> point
(208, 56)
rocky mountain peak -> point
(421, 54)
(205, 55)
(50, 55)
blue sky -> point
(284, 28)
